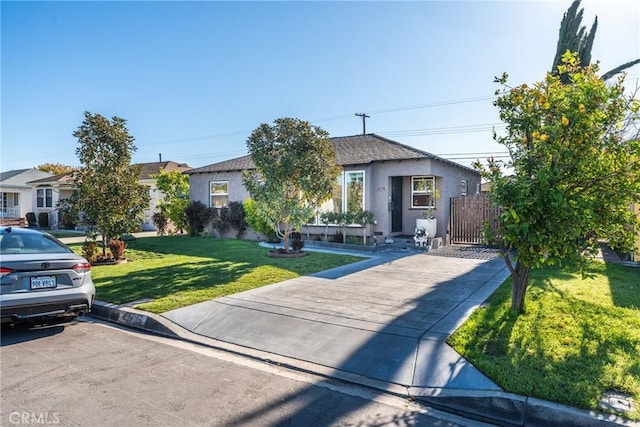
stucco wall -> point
(199, 186)
(377, 191)
(448, 184)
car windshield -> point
(19, 243)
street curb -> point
(496, 407)
(136, 319)
(508, 409)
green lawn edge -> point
(170, 272)
(578, 338)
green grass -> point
(178, 271)
(65, 233)
(577, 339)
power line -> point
(434, 104)
(328, 119)
(445, 130)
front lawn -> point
(178, 271)
(65, 233)
(577, 339)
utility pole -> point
(364, 124)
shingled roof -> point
(63, 178)
(350, 150)
(20, 177)
(146, 172)
(154, 168)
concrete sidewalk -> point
(381, 323)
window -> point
(464, 187)
(354, 189)
(219, 191)
(422, 192)
(348, 194)
(44, 198)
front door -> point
(396, 204)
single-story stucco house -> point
(392, 180)
(18, 196)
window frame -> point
(212, 194)
(464, 184)
(344, 202)
(46, 200)
(345, 190)
(429, 193)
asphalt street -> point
(88, 373)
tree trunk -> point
(520, 282)
(285, 238)
(104, 245)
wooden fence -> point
(468, 216)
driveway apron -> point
(388, 322)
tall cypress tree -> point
(573, 37)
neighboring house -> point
(47, 192)
(17, 195)
(146, 177)
(31, 190)
(388, 178)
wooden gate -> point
(468, 216)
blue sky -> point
(193, 79)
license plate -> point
(43, 282)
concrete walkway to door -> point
(387, 323)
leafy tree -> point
(107, 188)
(56, 168)
(576, 169)
(295, 171)
(572, 37)
(174, 186)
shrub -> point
(117, 248)
(161, 222)
(90, 250)
(221, 220)
(296, 241)
(237, 218)
(258, 223)
(354, 240)
(198, 217)
(338, 237)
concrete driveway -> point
(386, 323)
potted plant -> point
(428, 219)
